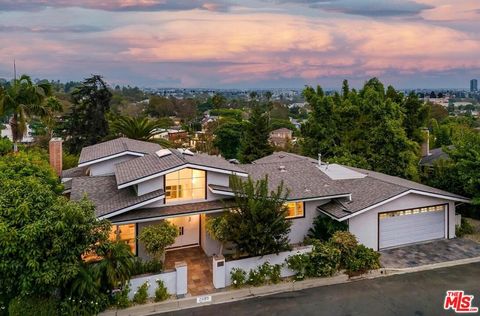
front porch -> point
(199, 268)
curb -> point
(251, 292)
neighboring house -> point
(280, 137)
(135, 184)
(6, 131)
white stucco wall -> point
(107, 167)
(300, 226)
(365, 226)
(169, 279)
(210, 247)
(218, 179)
(150, 186)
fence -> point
(221, 268)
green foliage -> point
(255, 140)
(346, 242)
(279, 123)
(362, 260)
(157, 237)
(30, 306)
(324, 227)
(141, 295)
(239, 277)
(228, 139)
(364, 129)
(141, 266)
(256, 277)
(135, 127)
(465, 228)
(86, 124)
(83, 306)
(217, 228)
(6, 146)
(258, 225)
(120, 299)
(269, 272)
(69, 160)
(416, 115)
(161, 293)
(235, 114)
(300, 263)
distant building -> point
(473, 85)
(281, 136)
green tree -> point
(219, 101)
(255, 140)
(257, 226)
(87, 124)
(135, 127)
(228, 138)
(157, 237)
(217, 228)
(23, 100)
(416, 115)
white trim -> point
(156, 218)
(221, 192)
(124, 153)
(440, 196)
(126, 209)
(188, 165)
(327, 197)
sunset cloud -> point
(281, 44)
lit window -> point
(295, 209)
(126, 234)
(412, 211)
(185, 184)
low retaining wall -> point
(222, 268)
(175, 281)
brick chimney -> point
(55, 151)
(426, 142)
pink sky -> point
(269, 43)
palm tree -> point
(22, 100)
(136, 127)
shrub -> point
(30, 306)
(363, 260)
(465, 228)
(346, 242)
(6, 146)
(275, 272)
(161, 293)
(157, 237)
(324, 227)
(324, 259)
(256, 277)
(238, 277)
(121, 297)
(141, 266)
(299, 263)
(141, 295)
(84, 307)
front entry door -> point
(188, 231)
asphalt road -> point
(418, 294)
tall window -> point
(185, 184)
(126, 234)
(295, 209)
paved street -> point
(417, 294)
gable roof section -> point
(150, 166)
(115, 147)
(108, 200)
(435, 154)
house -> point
(135, 184)
(280, 137)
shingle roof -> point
(435, 154)
(145, 166)
(168, 210)
(74, 172)
(116, 146)
(103, 192)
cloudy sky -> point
(244, 43)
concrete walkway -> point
(429, 253)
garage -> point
(409, 226)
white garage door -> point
(411, 226)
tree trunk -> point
(15, 132)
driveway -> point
(429, 253)
(410, 294)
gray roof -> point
(116, 146)
(74, 172)
(148, 165)
(168, 210)
(103, 192)
(435, 154)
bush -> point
(6, 146)
(157, 237)
(121, 297)
(465, 228)
(346, 242)
(256, 277)
(324, 227)
(161, 293)
(299, 263)
(26, 306)
(325, 259)
(141, 295)
(238, 277)
(275, 272)
(141, 266)
(84, 307)
(363, 260)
